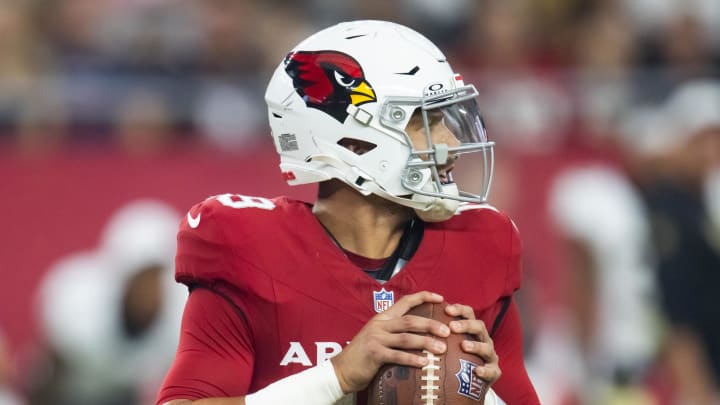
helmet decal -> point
(329, 81)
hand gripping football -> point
(448, 379)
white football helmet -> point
(363, 81)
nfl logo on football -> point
(470, 385)
(383, 300)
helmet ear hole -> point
(357, 146)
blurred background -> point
(117, 115)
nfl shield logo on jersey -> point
(470, 385)
(383, 300)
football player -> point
(373, 112)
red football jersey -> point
(271, 293)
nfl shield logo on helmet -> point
(470, 385)
(383, 300)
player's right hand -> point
(384, 339)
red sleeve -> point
(514, 386)
(215, 356)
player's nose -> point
(442, 134)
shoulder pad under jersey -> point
(483, 224)
(217, 237)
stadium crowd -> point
(109, 70)
(606, 115)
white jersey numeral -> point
(243, 201)
(297, 354)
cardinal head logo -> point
(329, 81)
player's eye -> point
(344, 80)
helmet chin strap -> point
(437, 209)
(427, 208)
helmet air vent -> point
(357, 146)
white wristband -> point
(315, 386)
(491, 398)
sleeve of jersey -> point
(214, 356)
(203, 253)
(514, 386)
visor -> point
(467, 154)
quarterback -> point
(299, 303)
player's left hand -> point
(484, 347)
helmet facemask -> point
(444, 127)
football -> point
(448, 379)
